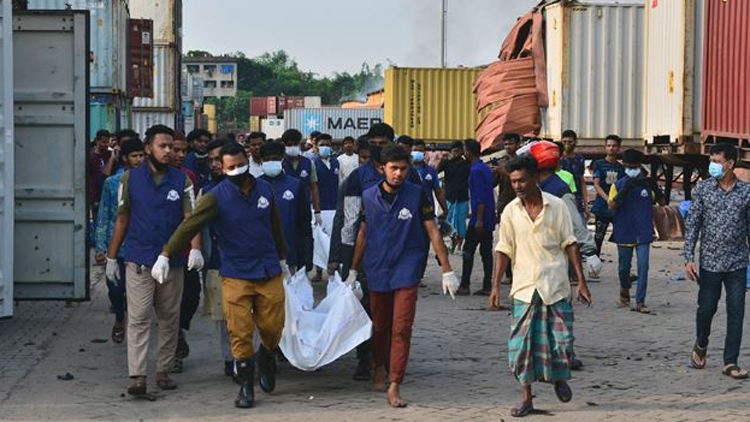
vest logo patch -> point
(644, 193)
(404, 214)
(288, 195)
(428, 177)
(336, 171)
(304, 173)
(263, 202)
(173, 195)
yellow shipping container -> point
(432, 104)
(254, 123)
(210, 111)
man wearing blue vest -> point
(397, 219)
(429, 176)
(243, 213)
(327, 169)
(631, 199)
(346, 223)
(153, 199)
(303, 169)
(197, 159)
(293, 208)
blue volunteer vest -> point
(428, 175)
(328, 183)
(155, 213)
(396, 240)
(286, 190)
(247, 248)
(633, 221)
(555, 185)
(368, 176)
(302, 173)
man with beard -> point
(197, 160)
(253, 143)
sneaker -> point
(642, 309)
(482, 293)
(463, 291)
(178, 366)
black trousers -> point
(602, 224)
(191, 298)
(485, 249)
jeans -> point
(116, 292)
(191, 298)
(602, 223)
(709, 293)
(624, 260)
(485, 249)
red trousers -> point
(392, 319)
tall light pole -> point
(444, 34)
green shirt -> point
(568, 178)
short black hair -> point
(568, 133)
(348, 139)
(197, 133)
(512, 137)
(102, 133)
(324, 136)
(291, 136)
(457, 144)
(363, 143)
(524, 162)
(130, 146)
(216, 143)
(405, 140)
(613, 138)
(126, 133)
(632, 156)
(232, 148)
(419, 142)
(315, 134)
(158, 130)
(727, 150)
(394, 152)
(381, 130)
(256, 135)
(272, 148)
(473, 146)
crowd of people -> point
(179, 217)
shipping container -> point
(594, 55)
(145, 118)
(272, 127)
(107, 111)
(272, 106)
(50, 71)
(109, 38)
(166, 71)
(432, 104)
(337, 122)
(672, 76)
(312, 102)
(141, 68)
(209, 111)
(258, 106)
(726, 82)
(167, 17)
(293, 102)
(6, 159)
(254, 123)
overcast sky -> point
(326, 36)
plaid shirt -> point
(723, 220)
(105, 219)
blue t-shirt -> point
(481, 190)
(608, 174)
(577, 166)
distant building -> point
(219, 74)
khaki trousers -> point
(250, 303)
(144, 295)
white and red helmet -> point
(546, 153)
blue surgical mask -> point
(325, 151)
(633, 172)
(293, 151)
(417, 156)
(271, 168)
(716, 170)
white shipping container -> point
(313, 102)
(6, 159)
(672, 73)
(338, 122)
(273, 128)
(594, 71)
(167, 17)
(166, 69)
(145, 118)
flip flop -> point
(735, 372)
(563, 392)
(521, 410)
(118, 334)
(701, 354)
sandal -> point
(118, 333)
(137, 386)
(164, 382)
(563, 391)
(624, 297)
(698, 357)
(735, 372)
(642, 309)
(521, 410)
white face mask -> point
(293, 151)
(633, 172)
(237, 171)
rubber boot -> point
(246, 374)
(266, 369)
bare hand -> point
(479, 228)
(494, 299)
(332, 268)
(691, 271)
(584, 294)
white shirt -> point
(256, 169)
(347, 164)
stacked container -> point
(165, 105)
(108, 70)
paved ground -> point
(636, 366)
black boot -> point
(246, 374)
(266, 369)
(229, 368)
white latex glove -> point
(357, 290)
(160, 270)
(318, 219)
(285, 269)
(450, 284)
(195, 260)
(594, 264)
(351, 279)
(112, 270)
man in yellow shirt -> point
(536, 234)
